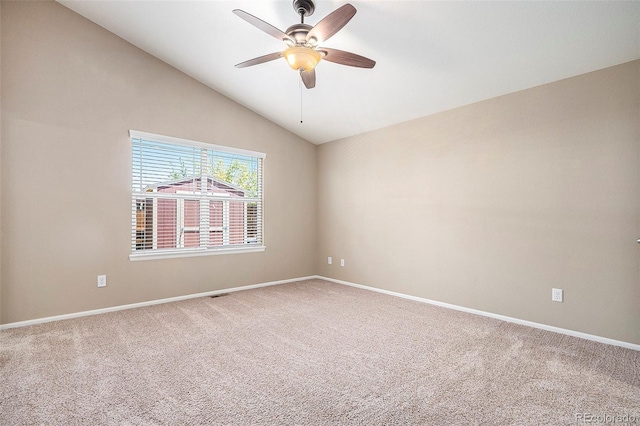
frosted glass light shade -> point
(302, 58)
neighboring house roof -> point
(219, 183)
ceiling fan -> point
(303, 52)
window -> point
(190, 198)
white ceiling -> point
(431, 55)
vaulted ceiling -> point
(431, 55)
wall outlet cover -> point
(102, 280)
(556, 294)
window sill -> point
(170, 254)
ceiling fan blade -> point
(309, 78)
(346, 58)
(260, 24)
(332, 23)
(260, 60)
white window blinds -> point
(190, 198)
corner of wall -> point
(316, 246)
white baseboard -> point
(573, 333)
(579, 334)
(149, 303)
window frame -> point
(178, 252)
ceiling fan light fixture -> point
(302, 52)
(302, 58)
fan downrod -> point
(304, 8)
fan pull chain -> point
(300, 86)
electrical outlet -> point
(341, 262)
(102, 280)
(329, 261)
(556, 294)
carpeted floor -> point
(308, 353)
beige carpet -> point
(308, 353)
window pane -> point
(165, 231)
(237, 170)
(252, 222)
(155, 163)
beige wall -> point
(491, 205)
(70, 93)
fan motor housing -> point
(304, 7)
(299, 32)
